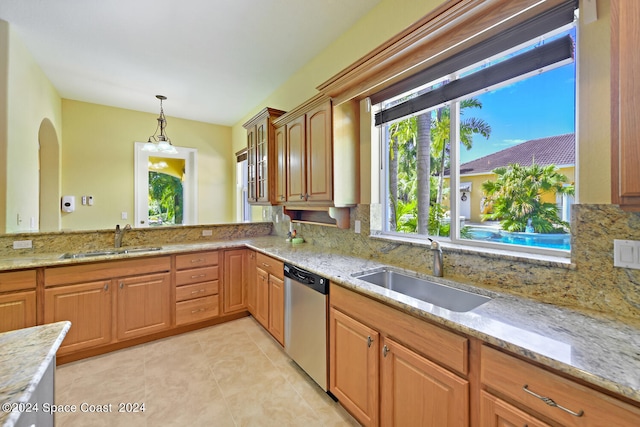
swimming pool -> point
(551, 241)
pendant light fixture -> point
(160, 143)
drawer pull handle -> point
(197, 260)
(551, 402)
(369, 341)
(197, 292)
(198, 275)
(264, 264)
(198, 310)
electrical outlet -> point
(22, 244)
(206, 233)
(357, 226)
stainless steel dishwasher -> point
(305, 321)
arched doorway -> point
(49, 159)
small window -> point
(484, 154)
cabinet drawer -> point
(17, 280)
(197, 275)
(198, 259)
(270, 265)
(196, 309)
(512, 377)
(196, 290)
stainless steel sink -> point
(435, 293)
(74, 255)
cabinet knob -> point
(121, 285)
(385, 350)
(301, 196)
(106, 286)
(369, 341)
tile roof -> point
(558, 150)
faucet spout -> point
(437, 258)
(120, 234)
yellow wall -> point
(31, 99)
(98, 160)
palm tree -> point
(516, 198)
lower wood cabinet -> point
(235, 281)
(143, 305)
(533, 389)
(197, 287)
(108, 302)
(251, 282)
(17, 300)
(269, 290)
(88, 307)
(384, 381)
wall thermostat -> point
(68, 203)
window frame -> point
(454, 180)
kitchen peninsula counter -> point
(598, 351)
(25, 356)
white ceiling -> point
(215, 60)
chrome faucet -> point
(437, 258)
(120, 234)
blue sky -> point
(537, 107)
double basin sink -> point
(118, 251)
(444, 296)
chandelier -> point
(160, 143)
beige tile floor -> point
(234, 374)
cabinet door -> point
(143, 305)
(251, 282)
(296, 163)
(235, 282)
(319, 155)
(281, 165)
(353, 366)
(417, 392)
(495, 412)
(87, 306)
(262, 161)
(276, 308)
(625, 94)
(262, 297)
(17, 311)
(251, 165)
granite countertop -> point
(25, 355)
(601, 352)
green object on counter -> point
(297, 240)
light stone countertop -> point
(25, 355)
(601, 352)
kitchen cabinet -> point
(17, 300)
(498, 413)
(261, 157)
(87, 305)
(281, 164)
(354, 355)
(419, 366)
(143, 305)
(251, 282)
(542, 395)
(310, 156)
(89, 295)
(235, 281)
(625, 98)
(197, 287)
(270, 295)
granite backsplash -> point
(589, 283)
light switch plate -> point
(626, 253)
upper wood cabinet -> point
(625, 101)
(310, 156)
(281, 164)
(261, 157)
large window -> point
(483, 153)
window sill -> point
(502, 254)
